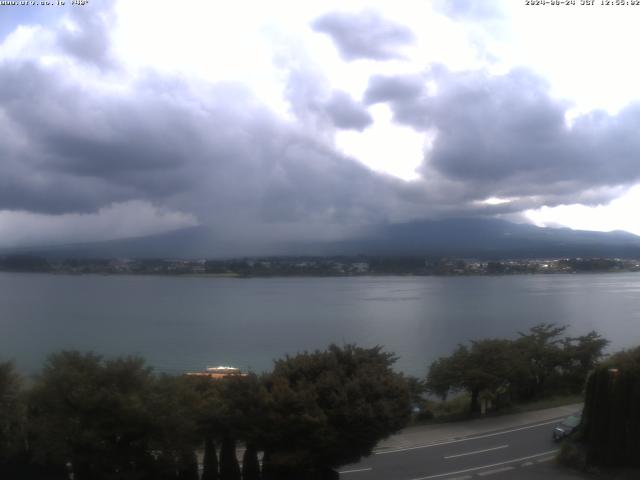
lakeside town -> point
(316, 266)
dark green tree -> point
(231, 409)
(417, 388)
(539, 355)
(12, 421)
(489, 369)
(90, 413)
(250, 464)
(188, 466)
(210, 460)
(329, 408)
(485, 367)
(172, 403)
(611, 417)
(538, 362)
(105, 417)
(229, 467)
(166, 467)
(443, 377)
(581, 355)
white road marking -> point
(486, 466)
(526, 464)
(448, 442)
(477, 451)
(546, 459)
(497, 470)
(357, 470)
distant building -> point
(219, 372)
(360, 267)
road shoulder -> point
(435, 433)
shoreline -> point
(310, 275)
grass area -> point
(457, 409)
(551, 402)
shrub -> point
(572, 455)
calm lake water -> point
(187, 323)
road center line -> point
(448, 442)
(486, 466)
(494, 471)
(356, 470)
(476, 451)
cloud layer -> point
(506, 136)
(78, 146)
(364, 35)
(85, 138)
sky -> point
(309, 120)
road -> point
(519, 451)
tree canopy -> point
(536, 363)
(611, 417)
(12, 413)
(329, 408)
(104, 419)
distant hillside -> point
(192, 242)
(490, 239)
(465, 238)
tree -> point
(582, 354)
(188, 465)
(611, 417)
(230, 409)
(172, 403)
(12, 419)
(540, 355)
(60, 403)
(250, 464)
(444, 373)
(489, 368)
(92, 413)
(417, 389)
(481, 369)
(229, 467)
(329, 408)
(24, 263)
(210, 460)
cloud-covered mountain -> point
(490, 239)
(463, 238)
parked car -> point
(567, 426)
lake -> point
(188, 323)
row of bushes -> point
(115, 419)
(537, 364)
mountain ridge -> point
(487, 238)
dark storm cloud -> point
(364, 35)
(346, 113)
(393, 89)
(223, 157)
(506, 136)
(217, 154)
(321, 108)
(77, 145)
(81, 150)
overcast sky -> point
(289, 119)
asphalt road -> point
(495, 454)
